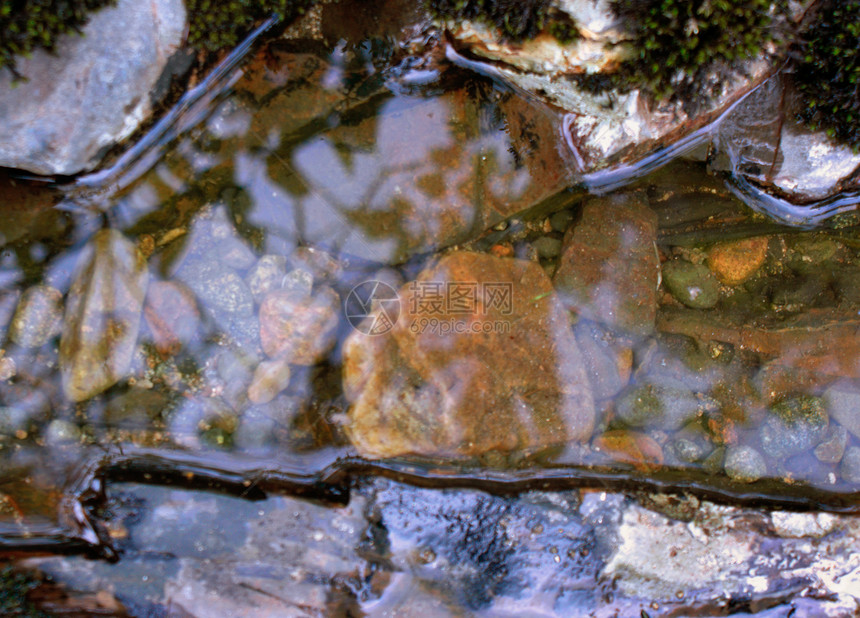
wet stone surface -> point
(397, 549)
(662, 335)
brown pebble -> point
(631, 447)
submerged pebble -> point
(653, 405)
(266, 276)
(62, 432)
(691, 284)
(270, 378)
(850, 468)
(832, 446)
(795, 425)
(218, 287)
(299, 328)
(744, 464)
(736, 261)
(37, 317)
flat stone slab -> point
(92, 93)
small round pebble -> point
(561, 220)
(62, 432)
(547, 247)
(744, 464)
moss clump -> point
(26, 25)
(828, 71)
(15, 587)
(220, 24)
(517, 20)
(679, 45)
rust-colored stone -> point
(454, 381)
(822, 341)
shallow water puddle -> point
(266, 308)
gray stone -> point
(430, 552)
(62, 432)
(561, 220)
(37, 317)
(654, 405)
(745, 464)
(266, 276)
(843, 404)
(795, 425)
(219, 288)
(92, 93)
(832, 446)
(547, 247)
(850, 468)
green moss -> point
(517, 20)
(828, 71)
(27, 25)
(220, 24)
(679, 45)
(15, 587)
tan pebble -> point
(735, 261)
(171, 235)
(270, 378)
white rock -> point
(94, 91)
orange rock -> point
(735, 261)
(631, 447)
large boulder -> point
(481, 360)
(94, 91)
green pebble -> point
(691, 284)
